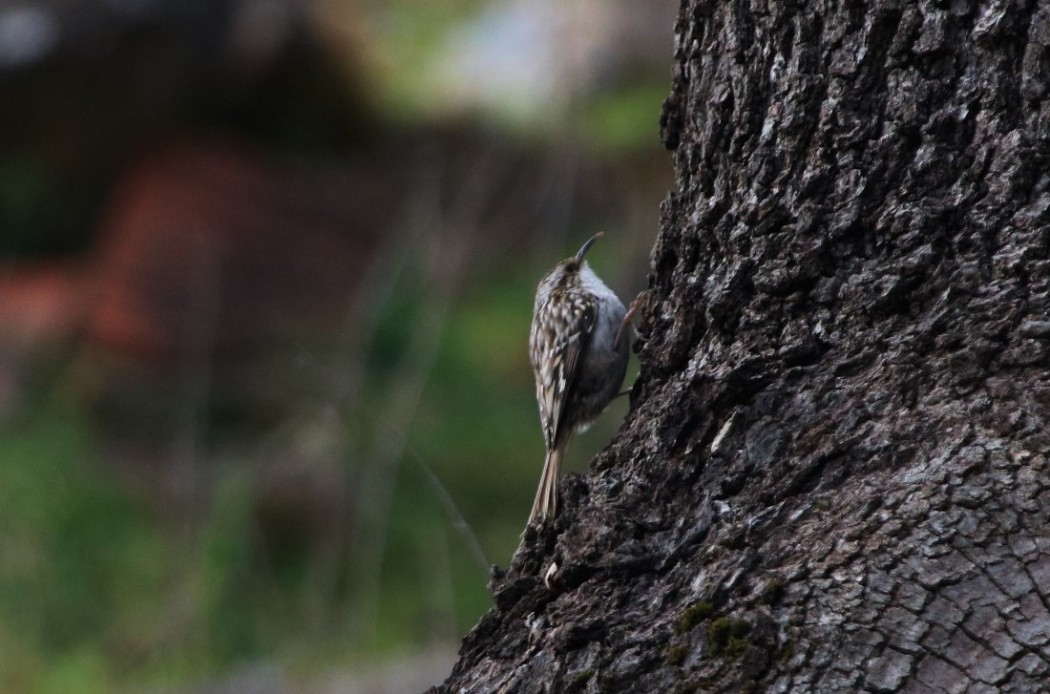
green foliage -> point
(582, 678)
(727, 637)
(82, 671)
(95, 592)
(626, 120)
(74, 555)
(103, 590)
(676, 655)
(413, 34)
(699, 611)
(822, 504)
(422, 78)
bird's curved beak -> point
(587, 245)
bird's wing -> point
(556, 375)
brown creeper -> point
(578, 350)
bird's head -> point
(567, 271)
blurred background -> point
(266, 274)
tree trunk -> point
(834, 474)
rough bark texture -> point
(834, 475)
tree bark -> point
(834, 474)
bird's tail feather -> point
(546, 503)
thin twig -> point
(459, 522)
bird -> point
(578, 350)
